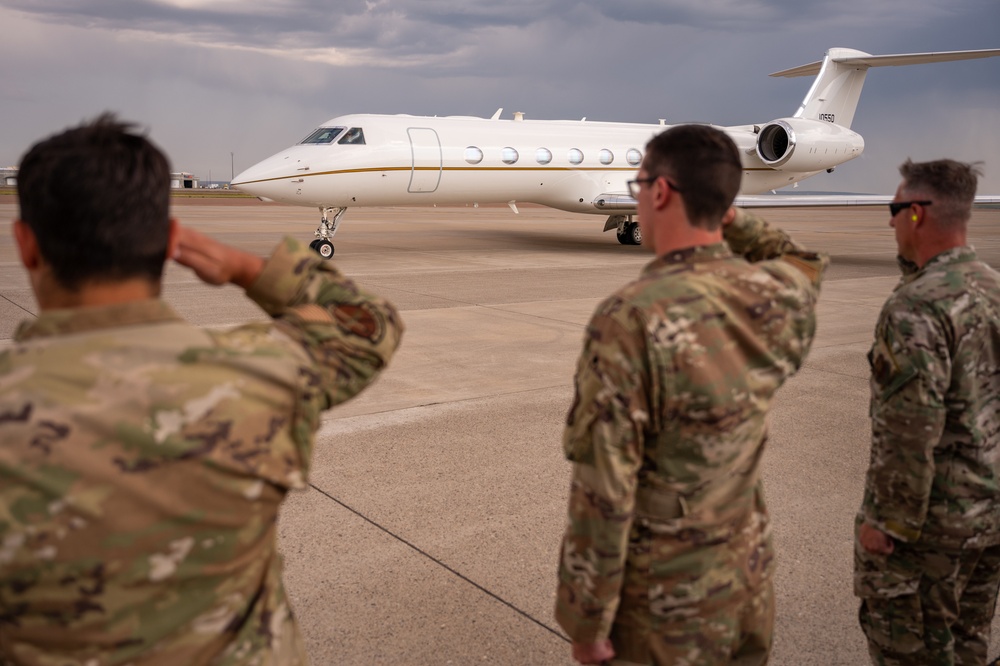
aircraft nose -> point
(268, 178)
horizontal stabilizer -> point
(890, 60)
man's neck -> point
(96, 294)
(931, 249)
(685, 237)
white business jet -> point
(577, 166)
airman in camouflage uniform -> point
(143, 459)
(927, 554)
(667, 558)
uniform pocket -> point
(889, 373)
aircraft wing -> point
(623, 203)
(801, 200)
(798, 200)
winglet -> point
(496, 116)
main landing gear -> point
(323, 244)
(628, 230)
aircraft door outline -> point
(427, 160)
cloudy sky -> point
(222, 84)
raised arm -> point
(751, 237)
(349, 333)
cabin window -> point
(543, 155)
(323, 135)
(353, 137)
(633, 157)
(575, 155)
(509, 155)
(607, 157)
(473, 155)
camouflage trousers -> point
(738, 634)
(686, 603)
(924, 605)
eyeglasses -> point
(897, 206)
(633, 185)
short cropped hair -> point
(97, 198)
(949, 184)
(704, 164)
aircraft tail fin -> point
(840, 76)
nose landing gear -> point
(322, 247)
(323, 244)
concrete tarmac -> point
(430, 530)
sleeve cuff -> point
(281, 281)
(584, 630)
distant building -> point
(181, 180)
(8, 176)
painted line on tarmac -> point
(468, 580)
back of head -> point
(950, 185)
(97, 198)
(704, 165)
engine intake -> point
(799, 144)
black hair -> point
(97, 198)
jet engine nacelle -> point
(800, 144)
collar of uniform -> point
(955, 255)
(690, 255)
(906, 267)
(82, 320)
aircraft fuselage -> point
(563, 164)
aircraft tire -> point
(634, 233)
(324, 248)
(624, 238)
(312, 245)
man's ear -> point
(27, 245)
(729, 216)
(661, 194)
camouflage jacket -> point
(143, 459)
(934, 475)
(667, 426)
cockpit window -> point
(323, 135)
(353, 136)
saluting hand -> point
(212, 261)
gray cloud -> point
(416, 28)
(226, 76)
